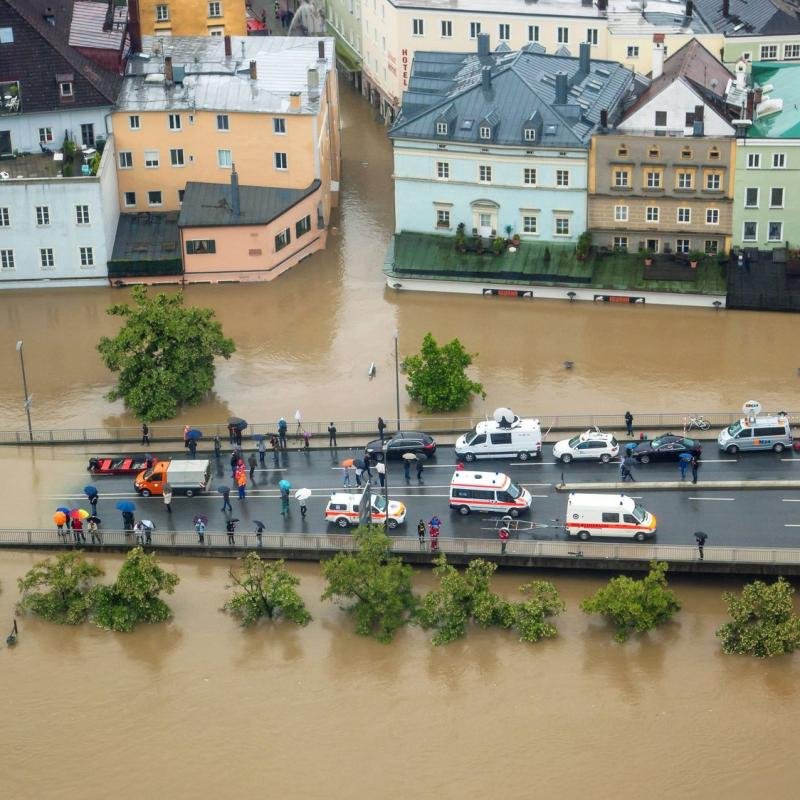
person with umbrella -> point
(149, 527)
(192, 447)
(93, 497)
(139, 530)
(625, 473)
(504, 535)
(200, 527)
(700, 538)
(259, 530)
(93, 526)
(186, 430)
(230, 527)
(347, 465)
(127, 508)
(302, 495)
(407, 459)
(285, 488)
(684, 460)
(60, 518)
(225, 491)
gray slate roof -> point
(210, 205)
(749, 17)
(522, 84)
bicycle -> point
(699, 422)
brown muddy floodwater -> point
(307, 339)
(199, 708)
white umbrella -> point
(410, 456)
(302, 494)
(148, 524)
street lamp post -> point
(28, 398)
(397, 379)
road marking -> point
(536, 484)
(791, 525)
(713, 498)
(719, 461)
(540, 495)
(785, 500)
(530, 463)
(795, 460)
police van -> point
(487, 492)
(603, 515)
(507, 436)
(757, 433)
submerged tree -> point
(163, 353)
(764, 623)
(59, 589)
(437, 376)
(134, 596)
(532, 617)
(265, 589)
(635, 605)
(379, 583)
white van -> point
(614, 515)
(342, 509)
(487, 491)
(757, 433)
(518, 438)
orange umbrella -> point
(348, 462)
(59, 518)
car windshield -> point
(574, 441)
(639, 513)
(735, 429)
(471, 435)
(379, 502)
(514, 490)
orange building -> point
(190, 17)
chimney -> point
(585, 58)
(313, 82)
(50, 16)
(757, 95)
(750, 105)
(603, 117)
(321, 50)
(602, 5)
(689, 9)
(658, 58)
(235, 202)
(168, 78)
(698, 113)
(228, 50)
(486, 79)
(253, 71)
(134, 29)
(726, 8)
(483, 45)
(294, 101)
(561, 89)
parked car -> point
(592, 445)
(401, 443)
(668, 447)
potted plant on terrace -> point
(695, 257)
(583, 246)
(461, 239)
(498, 245)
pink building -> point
(248, 233)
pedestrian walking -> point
(381, 427)
(282, 428)
(407, 470)
(695, 466)
(192, 448)
(380, 468)
(138, 529)
(259, 531)
(145, 433)
(226, 499)
(148, 534)
(298, 418)
(359, 471)
(332, 435)
(94, 531)
(217, 447)
(93, 498)
(241, 485)
(284, 502)
(303, 508)
(262, 453)
(231, 433)
(434, 533)
(252, 463)
(421, 534)
(186, 439)
(127, 520)
(200, 528)
(367, 465)
(306, 440)
(168, 498)
(683, 464)
(346, 480)
(77, 530)
(230, 527)
(420, 467)
(234, 462)
(629, 423)
(504, 535)
(700, 538)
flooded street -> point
(200, 708)
(307, 339)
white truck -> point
(505, 436)
(184, 476)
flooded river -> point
(199, 708)
(307, 339)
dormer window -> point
(441, 128)
(530, 134)
(622, 151)
(485, 132)
(66, 89)
(653, 152)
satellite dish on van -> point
(503, 417)
(752, 408)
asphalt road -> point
(768, 518)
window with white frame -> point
(485, 132)
(684, 216)
(151, 159)
(713, 181)
(774, 231)
(652, 214)
(176, 157)
(283, 239)
(769, 52)
(279, 126)
(125, 158)
(620, 213)
(223, 122)
(45, 135)
(633, 51)
(776, 197)
(5, 218)
(529, 176)
(779, 159)
(562, 226)
(485, 173)
(134, 122)
(224, 159)
(712, 216)
(753, 160)
(86, 256)
(562, 35)
(791, 52)
(174, 122)
(474, 30)
(682, 246)
(418, 27)
(65, 88)
(530, 134)
(621, 243)
(447, 29)
(46, 258)
(214, 9)
(442, 218)
(154, 198)
(441, 128)
(7, 259)
(653, 179)
(42, 216)
(685, 180)
(533, 33)
(530, 224)
(591, 35)
(749, 231)
(443, 170)
(129, 199)
(622, 178)
(562, 177)
(162, 12)
(711, 247)
(81, 214)
(504, 32)
(751, 197)
(281, 161)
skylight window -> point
(466, 125)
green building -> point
(343, 19)
(767, 176)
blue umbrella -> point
(126, 505)
(193, 433)
(685, 457)
(91, 491)
(223, 488)
(63, 510)
(284, 485)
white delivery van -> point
(487, 491)
(603, 515)
(514, 438)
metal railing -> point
(276, 544)
(434, 425)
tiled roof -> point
(210, 204)
(522, 84)
(748, 17)
(40, 51)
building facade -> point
(343, 22)
(191, 17)
(499, 142)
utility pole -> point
(397, 378)
(28, 398)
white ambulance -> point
(604, 515)
(487, 491)
(342, 509)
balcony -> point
(10, 97)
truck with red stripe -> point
(487, 491)
(608, 515)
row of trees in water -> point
(375, 587)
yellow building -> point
(192, 107)
(191, 17)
